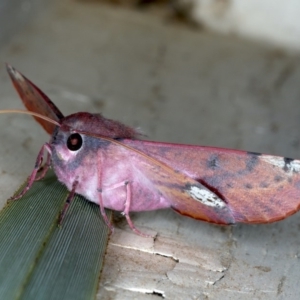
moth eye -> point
(74, 142)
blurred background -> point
(220, 73)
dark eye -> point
(74, 142)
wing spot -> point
(264, 185)
(213, 162)
(205, 196)
(248, 186)
(252, 162)
(278, 178)
(288, 165)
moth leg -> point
(31, 178)
(69, 199)
(103, 213)
(43, 169)
(127, 209)
(126, 206)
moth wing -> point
(34, 99)
(184, 194)
(256, 188)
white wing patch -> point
(205, 197)
(17, 75)
(290, 166)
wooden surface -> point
(177, 84)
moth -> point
(109, 164)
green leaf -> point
(39, 260)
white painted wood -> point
(272, 21)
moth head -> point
(73, 134)
(86, 132)
(67, 144)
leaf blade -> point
(36, 255)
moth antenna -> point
(32, 113)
